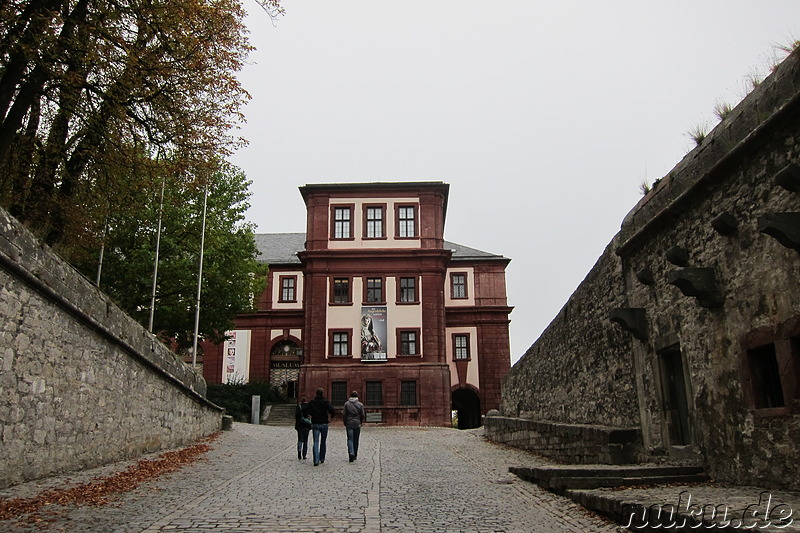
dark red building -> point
(372, 298)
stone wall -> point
(706, 288)
(567, 443)
(580, 370)
(704, 230)
(82, 384)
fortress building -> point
(372, 298)
(682, 344)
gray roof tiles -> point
(282, 248)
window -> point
(408, 290)
(339, 392)
(460, 347)
(340, 343)
(458, 285)
(765, 377)
(374, 290)
(770, 365)
(374, 222)
(341, 291)
(342, 222)
(408, 342)
(406, 221)
(408, 393)
(287, 288)
(374, 393)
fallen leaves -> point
(100, 491)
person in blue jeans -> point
(320, 408)
(353, 415)
(302, 427)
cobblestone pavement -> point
(404, 480)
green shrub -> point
(236, 398)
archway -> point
(468, 406)
(284, 367)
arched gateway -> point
(468, 406)
(284, 367)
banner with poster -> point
(236, 356)
(373, 334)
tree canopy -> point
(102, 101)
(88, 86)
(231, 273)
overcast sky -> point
(544, 117)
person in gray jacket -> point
(353, 415)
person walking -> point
(320, 408)
(303, 427)
(353, 416)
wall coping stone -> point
(746, 124)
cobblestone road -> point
(405, 480)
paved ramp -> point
(405, 480)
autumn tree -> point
(88, 86)
(101, 100)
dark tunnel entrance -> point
(468, 406)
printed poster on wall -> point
(236, 356)
(373, 333)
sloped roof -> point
(282, 248)
(461, 252)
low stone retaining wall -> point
(82, 384)
(567, 443)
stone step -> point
(547, 472)
(281, 415)
(560, 478)
(564, 483)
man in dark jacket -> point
(320, 408)
(353, 415)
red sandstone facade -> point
(372, 298)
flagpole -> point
(158, 248)
(199, 281)
(102, 251)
